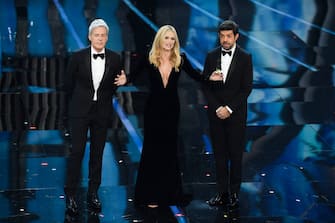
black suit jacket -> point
(79, 83)
(237, 87)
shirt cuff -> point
(229, 109)
(218, 109)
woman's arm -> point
(190, 70)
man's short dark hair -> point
(228, 25)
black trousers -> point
(80, 126)
(228, 140)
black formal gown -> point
(158, 178)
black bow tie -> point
(226, 52)
(96, 55)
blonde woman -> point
(158, 180)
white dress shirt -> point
(98, 69)
(226, 61)
(225, 64)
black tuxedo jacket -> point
(237, 87)
(79, 83)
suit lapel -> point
(218, 56)
(232, 64)
(88, 64)
(107, 66)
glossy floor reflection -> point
(288, 164)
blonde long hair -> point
(154, 54)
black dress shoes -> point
(234, 202)
(220, 199)
(93, 201)
(71, 205)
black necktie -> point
(226, 52)
(96, 55)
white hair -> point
(96, 23)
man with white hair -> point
(92, 77)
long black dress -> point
(158, 178)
